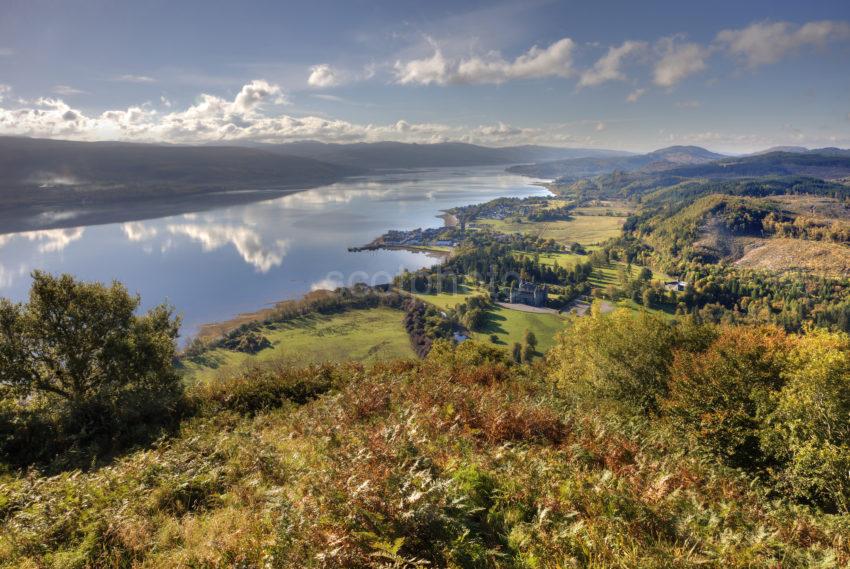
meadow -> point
(363, 335)
(583, 229)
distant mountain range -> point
(398, 155)
(826, 163)
(575, 168)
(48, 163)
(51, 183)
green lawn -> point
(549, 259)
(510, 325)
(361, 335)
(446, 300)
(584, 229)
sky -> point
(730, 76)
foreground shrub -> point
(81, 370)
(720, 395)
(809, 427)
(620, 355)
(413, 463)
(267, 387)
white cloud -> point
(607, 67)
(130, 78)
(4, 90)
(328, 283)
(678, 60)
(137, 231)
(165, 101)
(434, 69)
(248, 116)
(49, 240)
(6, 52)
(690, 104)
(600, 126)
(256, 93)
(247, 242)
(553, 61)
(67, 90)
(322, 76)
(763, 43)
(635, 95)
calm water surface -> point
(214, 264)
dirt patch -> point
(780, 254)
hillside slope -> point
(46, 177)
(658, 160)
(457, 461)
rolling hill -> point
(28, 162)
(658, 160)
(101, 180)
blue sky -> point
(730, 76)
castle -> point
(529, 293)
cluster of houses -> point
(416, 237)
(497, 210)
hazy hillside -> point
(662, 159)
(52, 179)
(26, 162)
(397, 155)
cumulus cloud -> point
(137, 231)
(763, 43)
(247, 242)
(4, 90)
(322, 76)
(552, 61)
(248, 116)
(678, 60)
(607, 67)
(635, 95)
(49, 240)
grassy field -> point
(509, 326)
(584, 229)
(549, 259)
(444, 300)
(360, 335)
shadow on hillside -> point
(493, 324)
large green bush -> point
(80, 369)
